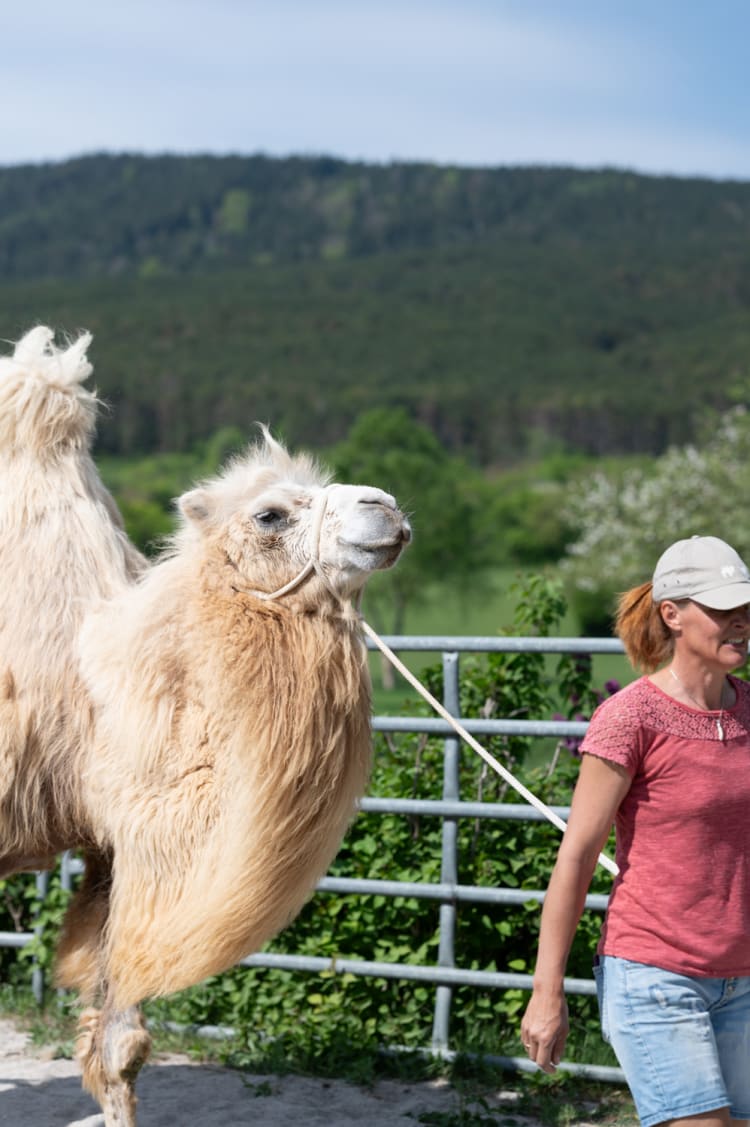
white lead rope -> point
(313, 564)
(496, 766)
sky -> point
(657, 86)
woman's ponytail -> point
(638, 623)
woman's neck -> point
(701, 688)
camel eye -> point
(270, 518)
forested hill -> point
(513, 309)
(104, 215)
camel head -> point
(281, 530)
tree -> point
(446, 499)
(626, 521)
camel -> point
(198, 727)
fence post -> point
(449, 854)
(37, 975)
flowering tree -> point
(625, 522)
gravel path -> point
(38, 1091)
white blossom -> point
(625, 522)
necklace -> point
(719, 719)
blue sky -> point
(654, 85)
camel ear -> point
(197, 506)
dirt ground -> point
(174, 1091)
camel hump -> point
(43, 405)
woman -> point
(668, 759)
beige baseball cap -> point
(705, 569)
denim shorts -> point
(683, 1043)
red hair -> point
(647, 639)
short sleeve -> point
(615, 733)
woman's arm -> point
(599, 791)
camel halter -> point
(313, 564)
(319, 506)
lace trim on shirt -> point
(641, 706)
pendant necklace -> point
(719, 719)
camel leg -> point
(112, 1048)
(78, 964)
(112, 1044)
(17, 863)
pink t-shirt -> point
(682, 897)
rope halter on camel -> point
(314, 565)
(319, 506)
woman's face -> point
(717, 638)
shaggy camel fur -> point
(203, 744)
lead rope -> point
(496, 766)
(313, 564)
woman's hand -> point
(599, 791)
(544, 1029)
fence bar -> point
(15, 938)
(447, 976)
(463, 893)
(74, 867)
(435, 643)
(507, 811)
(449, 854)
(69, 866)
(37, 974)
(432, 725)
(600, 1072)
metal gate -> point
(445, 975)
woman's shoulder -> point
(615, 729)
(630, 700)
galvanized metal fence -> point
(445, 976)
